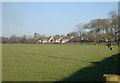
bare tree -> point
(114, 23)
(80, 29)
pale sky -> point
(50, 18)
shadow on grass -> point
(96, 71)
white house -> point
(66, 39)
(45, 41)
(40, 41)
(48, 40)
(58, 40)
(52, 39)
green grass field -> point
(0, 63)
(51, 62)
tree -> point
(37, 36)
(5, 40)
(79, 29)
(13, 39)
(72, 34)
(24, 39)
(113, 16)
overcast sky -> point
(50, 18)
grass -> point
(0, 63)
(49, 62)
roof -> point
(46, 38)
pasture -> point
(57, 62)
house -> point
(45, 40)
(75, 39)
(39, 41)
(66, 39)
(53, 39)
(58, 39)
(48, 39)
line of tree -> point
(97, 30)
(22, 39)
(101, 29)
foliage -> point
(106, 28)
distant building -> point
(40, 41)
(53, 39)
(66, 39)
